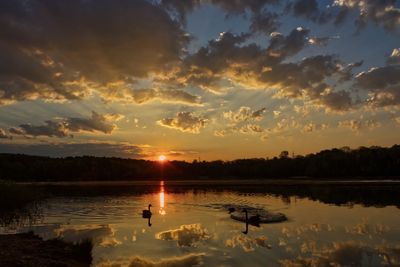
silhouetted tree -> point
(334, 163)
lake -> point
(329, 224)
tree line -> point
(364, 162)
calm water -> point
(328, 225)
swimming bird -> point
(253, 220)
(147, 213)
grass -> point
(30, 250)
(19, 204)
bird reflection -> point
(253, 220)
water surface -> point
(329, 225)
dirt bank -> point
(29, 250)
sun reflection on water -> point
(162, 199)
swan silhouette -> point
(147, 213)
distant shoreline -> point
(237, 182)
(362, 165)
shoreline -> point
(233, 182)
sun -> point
(162, 158)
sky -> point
(198, 79)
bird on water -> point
(147, 213)
(253, 220)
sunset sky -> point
(209, 79)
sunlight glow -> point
(162, 158)
(162, 199)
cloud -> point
(244, 114)
(308, 9)
(185, 122)
(240, 122)
(312, 127)
(64, 127)
(74, 149)
(251, 129)
(192, 259)
(240, 6)
(46, 54)
(383, 83)
(358, 125)
(284, 46)
(4, 134)
(230, 60)
(186, 235)
(394, 57)
(142, 96)
(321, 41)
(225, 132)
(379, 78)
(264, 22)
(335, 101)
(97, 122)
(383, 13)
(49, 129)
(284, 125)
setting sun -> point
(162, 158)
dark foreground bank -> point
(30, 250)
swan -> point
(147, 213)
(253, 220)
(231, 209)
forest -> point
(338, 163)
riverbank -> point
(30, 250)
(236, 182)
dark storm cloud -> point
(64, 127)
(74, 149)
(56, 49)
